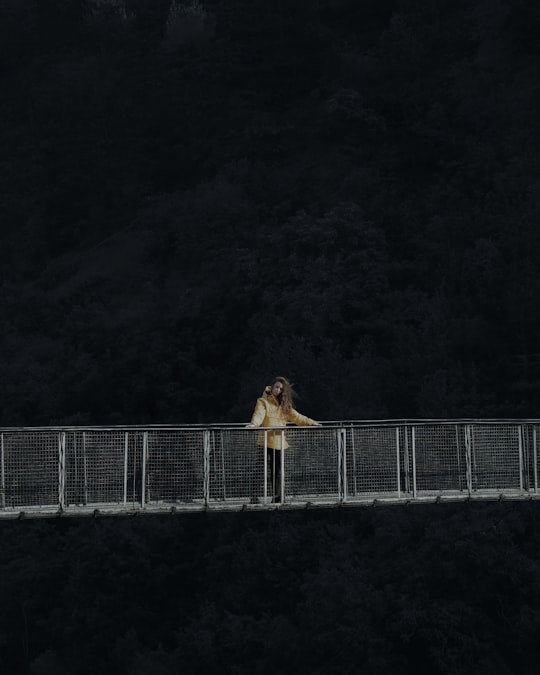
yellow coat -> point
(268, 413)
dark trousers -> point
(273, 463)
(273, 475)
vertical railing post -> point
(222, 466)
(339, 467)
(206, 466)
(413, 450)
(265, 460)
(62, 469)
(527, 477)
(85, 468)
(407, 477)
(468, 456)
(353, 452)
(282, 462)
(535, 470)
(143, 469)
(398, 463)
(126, 452)
(3, 470)
(343, 455)
(520, 455)
(458, 458)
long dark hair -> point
(286, 397)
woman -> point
(274, 409)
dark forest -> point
(198, 195)
(447, 589)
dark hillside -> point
(449, 589)
(195, 193)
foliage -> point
(199, 193)
(453, 588)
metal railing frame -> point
(406, 464)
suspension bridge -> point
(123, 470)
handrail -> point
(242, 425)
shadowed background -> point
(198, 196)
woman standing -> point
(274, 409)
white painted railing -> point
(82, 471)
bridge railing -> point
(163, 468)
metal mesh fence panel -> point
(30, 463)
(76, 484)
(104, 455)
(440, 460)
(530, 473)
(404, 445)
(371, 461)
(310, 463)
(235, 466)
(495, 457)
(136, 487)
(175, 466)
